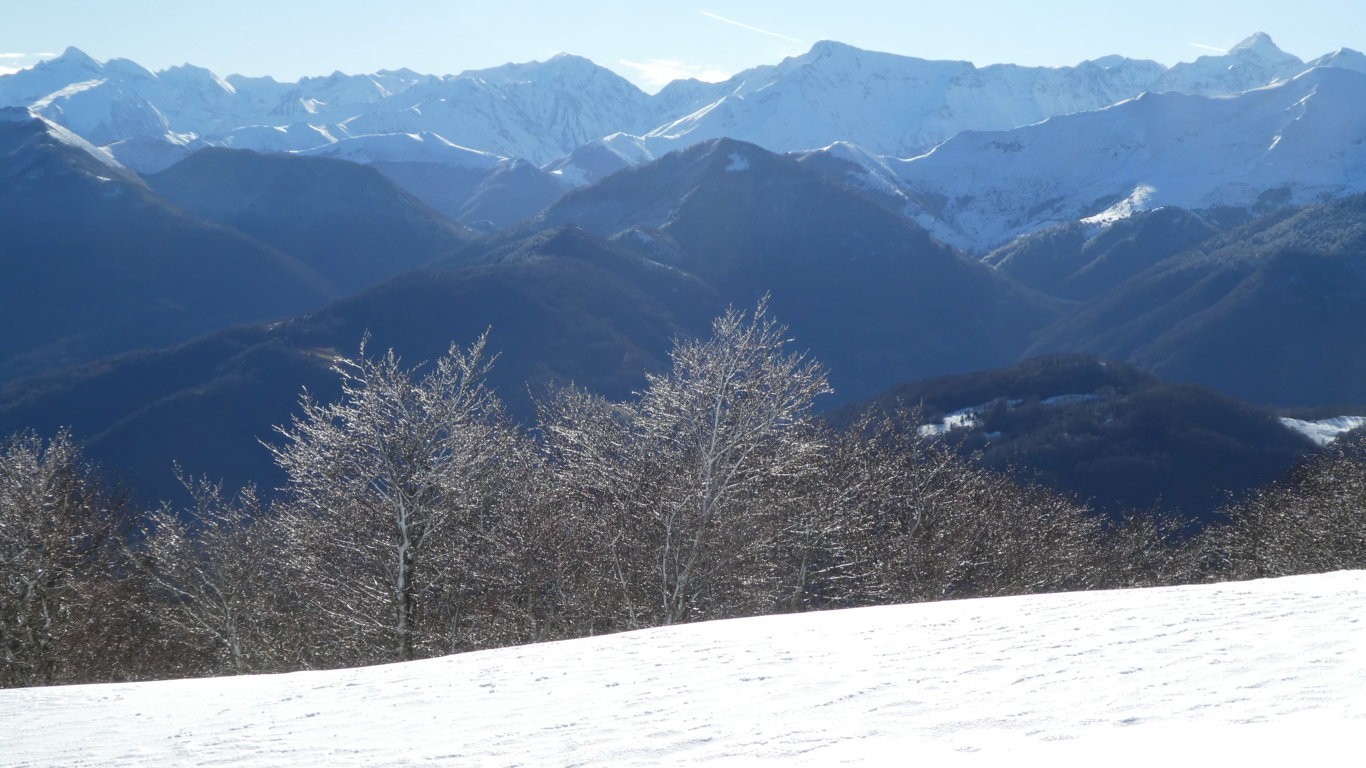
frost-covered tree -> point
(604, 482)
(729, 425)
(57, 546)
(210, 581)
(390, 503)
(1312, 523)
(688, 485)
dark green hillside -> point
(1123, 439)
(1072, 261)
(1273, 312)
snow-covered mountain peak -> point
(833, 50)
(339, 90)
(893, 104)
(1302, 139)
(1342, 58)
(402, 72)
(1115, 61)
(601, 158)
(244, 82)
(835, 59)
(189, 75)
(129, 69)
(1252, 63)
(27, 86)
(558, 68)
(29, 126)
(1258, 44)
(72, 57)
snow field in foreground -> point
(1267, 672)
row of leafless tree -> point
(417, 520)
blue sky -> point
(650, 42)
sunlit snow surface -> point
(1325, 431)
(1255, 673)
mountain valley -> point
(909, 219)
(557, 401)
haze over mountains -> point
(910, 219)
(579, 122)
(1086, 327)
(540, 111)
(96, 263)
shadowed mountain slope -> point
(348, 222)
(562, 306)
(1104, 431)
(1272, 312)
(870, 294)
(95, 263)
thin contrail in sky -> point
(742, 25)
(1214, 48)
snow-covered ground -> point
(1325, 431)
(1255, 673)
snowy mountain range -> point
(1123, 170)
(543, 111)
(978, 155)
(1269, 672)
(1293, 142)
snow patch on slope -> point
(601, 158)
(1325, 431)
(1138, 201)
(965, 418)
(969, 418)
(23, 115)
(405, 148)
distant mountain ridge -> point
(348, 222)
(576, 296)
(1297, 142)
(840, 268)
(1209, 239)
(536, 111)
(1015, 149)
(95, 263)
(1270, 312)
(543, 111)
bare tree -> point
(909, 519)
(731, 425)
(1312, 523)
(389, 502)
(687, 486)
(605, 482)
(211, 582)
(57, 534)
